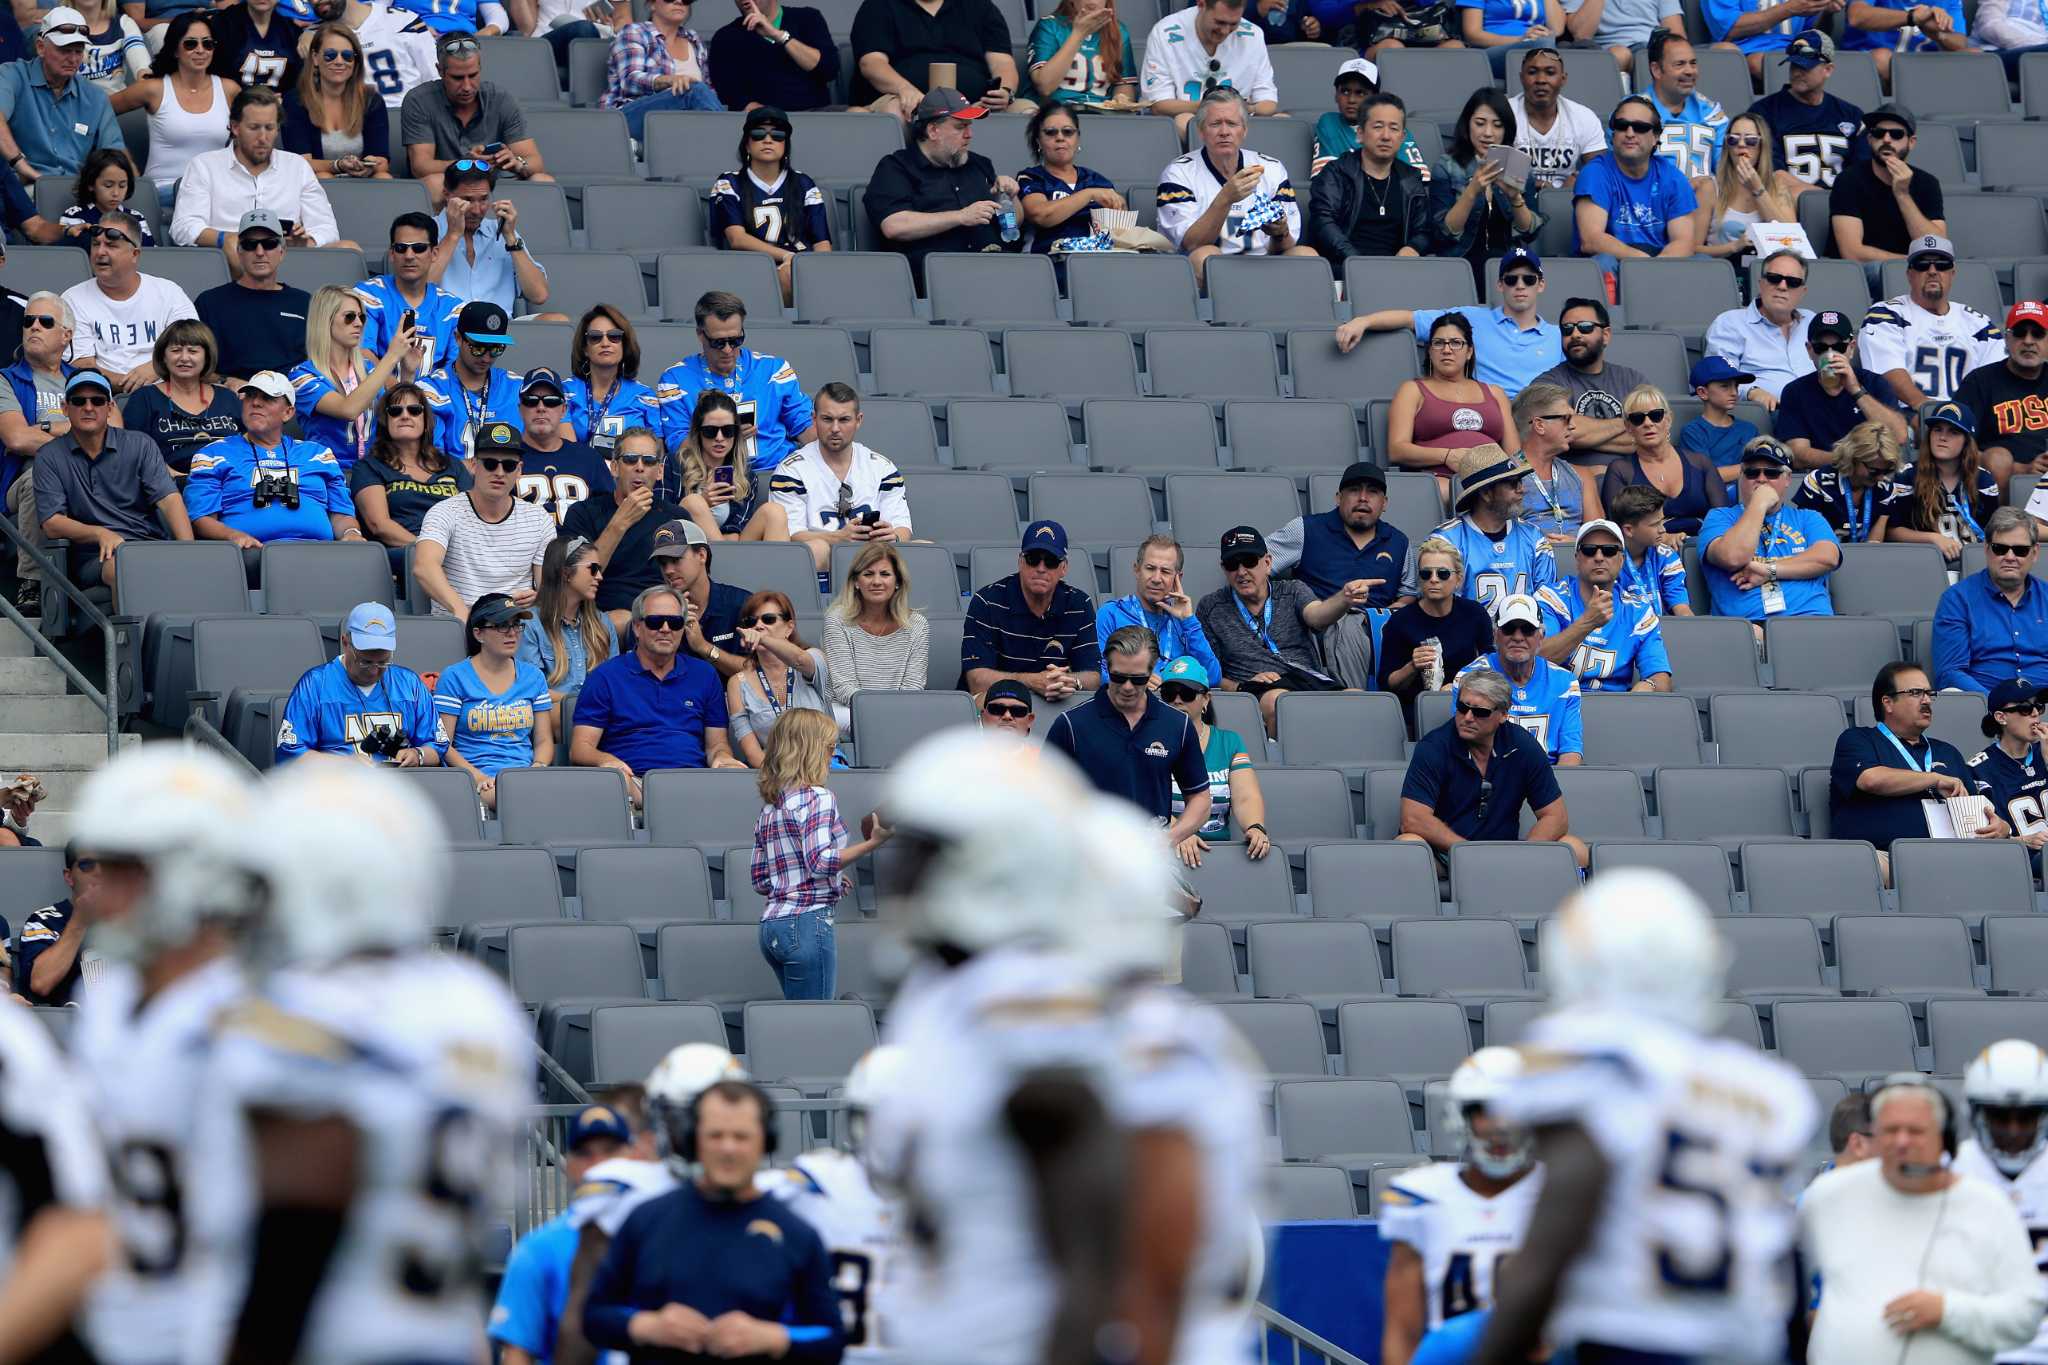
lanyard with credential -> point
(1857, 522)
(1258, 629)
(1919, 767)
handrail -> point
(200, 730)
(54, 577)
(1300, 1338)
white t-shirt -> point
(1176, 65)
(121, 333)
(1869, 1244)
(1190, 183)
(485, 556)
(1555, 156)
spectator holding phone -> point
(219, 187)
(463, 116)
(782, 56)
(836, 491)
(719, 492)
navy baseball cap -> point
(1715, 369)
(2006, 695)
(1362, 474)
(1830, 323)
(1049, 536)
(1956, 414)
(540, 377)
(496, 436)
(1007, 689)
(1768, 450)
(1809, 50)
(1520, 255)
(484, 323)
(599, 1121)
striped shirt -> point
(896, 662)
(487, 556)
(1003, 633)
(797, 842)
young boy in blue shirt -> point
(1717, 432)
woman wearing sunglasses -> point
(1692, 487)
(1449, 409)
(339, 382)
(1744, 189)
(186, 102)
(1056, 195)
(604, 396)
(874, 640)
(1424, 644)
(186, 410)
(332, 117)
(719, 491)
(567, 635)
(495, 708)
(1946, 494)
(768, 205)
(404, 473)
(1859, 496)
(1233, 785)
(780, 673)
(661, 64)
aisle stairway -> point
(60, 737)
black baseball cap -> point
(1007, 689)
(1241, 543)
(1361, 472)
(1830, 323)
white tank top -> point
(175, 136)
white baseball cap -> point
(1359, 66)
(1598, 524)
(65, 17)
(1519, 607)
(271, 384)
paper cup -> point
(945, 76)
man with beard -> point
(936, 195)
(1596, 384)
(2010, 397)
(1923, 342)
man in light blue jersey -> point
(1545, 698)
(467, 390)
(1694, 124)
(1610, 642)
(405, 288)
(361, 705)
(1505, 556)
(1766, 557)
(775, 413)
(1512, 343)
(263, 486)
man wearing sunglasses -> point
(97, 485)
(1881, 206)
(1469, 778)
(407, 287)
(1132, 744)
(120, 310)
(258, 320)
(1033, 626)
(1993, 624)
(622, 526)
(458, 116)
(49, 119)
(1267, 630)
(1767, 557)
(2011, 396)
(559, 472)
(2011, 770)
(49, 946)
(263, 486)
(1816, 410)
(1513, 343)
(1633, 204)
(467, 390)
(1768, 337)
(252, 172)
(1006, 706)
(486, 540)
(1544, 698)
(654, 707)
(1924, 342)
(1593, 384)
(682, 555)
(1505, 554)
(1813, 132)
(775, 416)
(1609, 640)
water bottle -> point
(1006, 216)
(1433, 676)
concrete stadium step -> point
(30, 677)
(13, 643)
(51, 715)
(47, 753)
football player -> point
(2007, 1091)
(172, 827)
(1452, 1225)
(831, 1190)
(1664, 1228)
(611, 1190)
(373, 1090)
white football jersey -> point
(1937, 351)
(613, 1189)
(973, 1034)
(809, 491)
(1461, 1235)
(431, 1061)
(48, 1152)
(398, 54)
(144, 1066)
(831, 1191)
(1190, 183)
(2029, 1194)
(1692, 1251)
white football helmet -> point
(1127, 879)
(880, 1073)
(2012, 1075)
(985, 844)
(189, 817)
(1638, 940)
(672, 1090)
(358, 861)
(1476, 1083)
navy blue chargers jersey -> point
(792, 215)
(1813, 141)
(2016, 787)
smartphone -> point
(493, 148)
(723, 474)
(410, 319)
(871, 517)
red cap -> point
(2036, 313)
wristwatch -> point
(515, 246)
(1256, 826)
(715, 655)
(786, 36)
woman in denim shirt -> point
(1477, 216)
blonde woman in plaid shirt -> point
(800, 851)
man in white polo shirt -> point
(486, 540)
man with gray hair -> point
(652, 707)
(1469, 777)
(1162, 606)
(1913, 1257)
(1223, 199)
(1993, 624)
(120, 310)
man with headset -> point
(1916, 1262)
(714, 1268)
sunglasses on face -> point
(1632, 125)
(629, 460)
(732, 343)
(1129, 679)
(593, 568)
(338, 54)
(2027, 331)
(1242, 562)
(543, 400)
(1179, 693)
(1784, 281)
(766, 618)
(489, 350)
(1517, 628)
(40, 320)
(406, 410)
(1600, 551)
(1582, 329)
(498, 464)
(348, 319)
(596, 335)
(1041, 559)
(113, 236)
(1636, 419)
(1926, 263)
(2012, 551)
(410, 248)
(1830, 348)
(197, 45)
(1520, 280)
(718, 433)
(88, 400)
(1887, 134)
(264, 244)
(65, 31)
(1466, 708)
(1435, 575)
(1006, 710)
(1754, 474)
(664, 622)
(1744, 140)
(767, 135)
(2023, 708)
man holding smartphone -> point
(837, 491)
(782, 56)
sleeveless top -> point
(1735, 224)
(1558, 504)
(1446, 424)
(1683, 510)
(175, 136)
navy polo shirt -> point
(1329, 560)
(1142, 762)
(1805, 409)
(648, 722)
(1442, 776)
(1880, 819)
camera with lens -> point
(382, 742)
(268, 486)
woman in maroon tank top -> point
(1447, 410)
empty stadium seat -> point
(1433, 81)
(1971, 87)
(1838, 654)
(584, 146)
(1774, 957)
(1306, 805)
(1211, 363)
(1845, 1038)
(627, 1040)
(1409, 1040)
(1270, 292)
(1201, 507)
(1376, 882)
(1703, 867)
(1791, 730)
(452, 794)
(551, 962)
(1818, 879)
(1897, 582)
(1286, 1034)
(1071, 365)
(1330, 1119)
(1340, 727)
(1235, 889)
(1379, 364)
(1291, 434)
(1466, 957)
(30, 878)
(902, 429)
(644, 885)
(1905, 955)
(1643, 730)
(962, 508)
(683, 277)
(852, 288)
(817, 354)
(1497, 878)
(1095, 509)
(1011, 433)
(1118, 289)
(1152, 433)
(721, 963)
(1959, 1029)
(1503, 1023)
(991, 289)
(1724, 804)
(2016, 950)
(1301, 1191)
(1969, 877)
(1604, 803)
(707, 807)
(1208, 960)
(886, 725)
(1683, 296)
(1324, 962)
(563, 806)
(806, 1041)
(929, 362)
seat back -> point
(626, 1041)
(965, 508)
(1500, 878)
(1773, 953)
(1819, 879)
(1270, 289)
(806, 1039)
(325, 579)
(830, 285)
(1403, 1037)
(553, 961)
(1901, 951)
(1790, 730)
(1286, 1034)
(1152, 433)
(1826, 653)
(886, 725)
(1212, 363)
(707, 807)
(930, 361)
(1703, 867)
(1237, 890)
(1201, 507)
(644, 884)
(1120, 289)
(1340, 1115)
(1640, 728)
(966, 286)
(1708, 803)
(1845, 1036)
(1291, 433)
(1464, 954)
(1313, 957)
(1341, 727)
(1071, 364)
(563, 806)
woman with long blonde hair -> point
(1860, 495)
(567, 635)
(338, 382)
(801, 880)
(332, 117)
(1744, 188)
(717, 489)
(873, 637)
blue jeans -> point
(698, 96)
(561, 35)
(802, 950)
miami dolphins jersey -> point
(1547, 705)
(1518, 561)
(1460, 1235)
(1629, 648)
(2029, 1194)
(831, 1191)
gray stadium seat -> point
(1071, 364)
(56, 268)
(644, 885)
(1414, 504)
(1152, 433)
(1288, 141)
(902, 429)
(1208, 961)
(1905, 955)
(946, 632)
(1406, 1039)
(546, 343)
(1300, 1191)
(1814, 785)
(1991, 226)
(743, 902)
(1972, 877)
(1379, 364)
(627, 1040)
(1286, 1034)
(30, 878)
(1236, 890)
(317, 578)
(311, 268)
(929, 362)
(706, 807)
(1960, 1029)
(1739, 1023)
(503, 885)
(193, 269)
(1377, 882)
(429, 642)
(991, 288)
(1523, 880)
(557, 961)
(1375, 282)
(1201, 507)
(1502, 1023)
(363, 210)
(1845, 1037)
(1702, 866)
(1643, 730)
(887, 724)
(587, 58)
(1724, 805)
(1958, 718)
(1341, 727)
(760, 566)
(1303, 72)
(1329, 1119)
(543, 216)
(1383, 799)
(642, 220)
(1095, 509)
(1011, 433)
(1684, 296)
(1212, 363)
(1306, 805)
(934, 583)
(1470, 956)
(1292, 434)
(1774, 957)
(1969, 88)
(1128, 150)
(806, 1040)
(1270, 291)
(1324, 962)
(721, 963)
(852, 288)
(2012, 156)
(1710, 653)
(1817, 879)
(683, 277)
(522, 67)
(1659, 355)
(965, 509)
(557, 806)
(818, 354)
(1117, 289)
(584, 145)
(1433, 81)
(452, 794)
(243, 667)
(1604, 803)
(1839, 654)
(2016, 948)
(1791, 730)
(579, 279)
